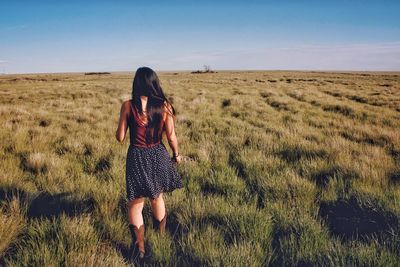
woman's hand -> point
(177, 159)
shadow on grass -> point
(211, 189)
(297, 153)
(252, 186)
(230, 229)
(322, 177)
(47, 205)
(7, 193)
(279, 105)
(394, 152)
(394, 177)
(97, 166)
(220, 189)
(282, 256)
(348, 219)
(340, 109)
(364, 138)
(44, 205)
(124, 251)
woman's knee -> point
(137, 203)
(157, 200)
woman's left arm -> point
(123, 122)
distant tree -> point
(207, 69)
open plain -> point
(288, 169)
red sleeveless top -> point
(137, 129)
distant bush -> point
(96, 73)
(207, 69)
(226, 102)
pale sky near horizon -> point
(74, 36)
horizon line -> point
(215, 70)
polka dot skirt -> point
(150, 171)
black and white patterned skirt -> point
(150, 171)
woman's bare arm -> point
(170, 131)
(123, 121)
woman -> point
(149, 168)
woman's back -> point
(138, 126)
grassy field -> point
(290, 169)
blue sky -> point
(68, 36)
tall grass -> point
(290, 169)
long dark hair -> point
(146, 83)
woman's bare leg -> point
(158, 207)
(135, 208)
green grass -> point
(290, 169)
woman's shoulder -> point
(126, 107)
(127, 102)
(167, 107)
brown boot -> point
(137, 241)
(160, 225)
